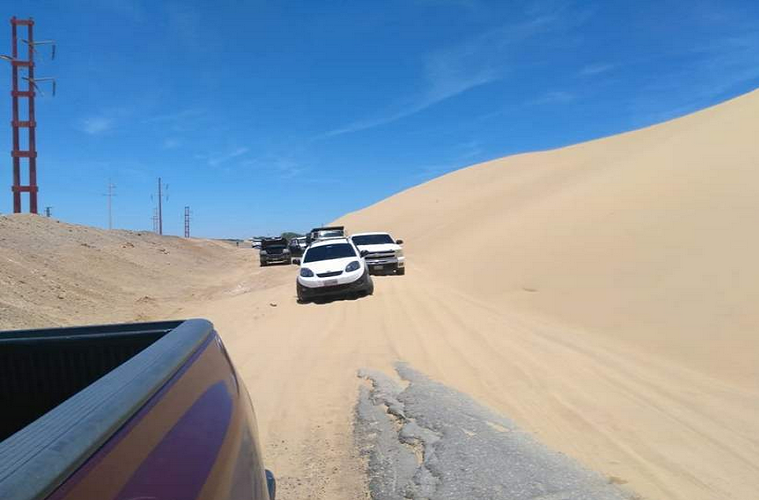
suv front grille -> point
(384, 255)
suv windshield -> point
(372, 239)
(328, 252)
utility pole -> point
(110, 195)
(186, 222)
(160, 210)
(30, 124)
(163, 190)
(48, 212)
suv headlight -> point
(399, 252)
(353, 266)
(306, 272)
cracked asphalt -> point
(428, 441)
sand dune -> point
(647, 238)
(618, 281)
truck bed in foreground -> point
(152, 410)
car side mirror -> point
(364, 253)
(296, 262)
(399, 242)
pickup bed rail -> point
(122, 411)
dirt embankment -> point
(54, 273)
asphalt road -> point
(428, 441)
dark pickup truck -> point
(148, 411)
(274, 251)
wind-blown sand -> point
(603, 296)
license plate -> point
(330, 282)
(379, 268)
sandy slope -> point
(53, 273)
(647, 238)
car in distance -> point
(274, 251)
(297, 246)
(325, 233)
(332, 268)
(382, 253)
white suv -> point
(383, 254)
(333, 267)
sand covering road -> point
(603, 296)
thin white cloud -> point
(716, 69)
(217, 159)
(96, 125)
(481, 60)
(555, 97)
(285, 167)
(171, 143)
(428, 172)
(596, 69)
(442, 90)
(470, 149)
(185, 114)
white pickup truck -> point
(383, 254)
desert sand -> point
(602, 295)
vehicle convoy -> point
(383, 254)
(332, 267)
(274, 251)
(297, 246)
(324, 233)
(149, 410)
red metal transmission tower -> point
(30, 124)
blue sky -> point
(267, 116)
